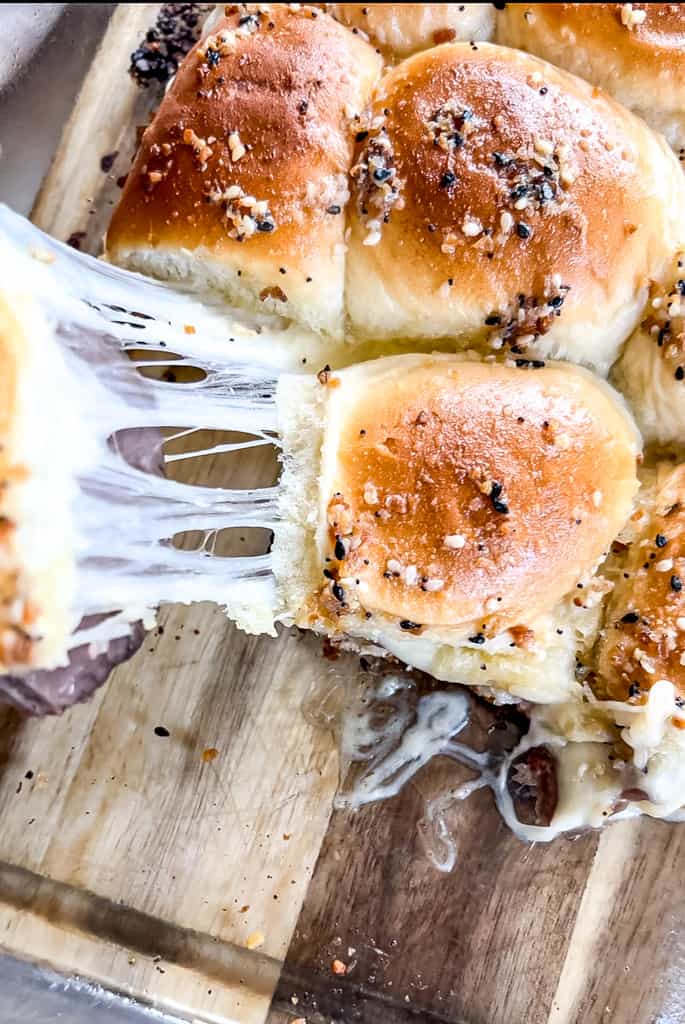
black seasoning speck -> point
(679, 373)
(107, 161)
(338, 592)
(493, 320)
(339, 549)
(634, 690)
(630, 617)
(75, 239)
(334, 209)
(522, 230)
(161, 730)
(360, 136)
(174, 33)
(660, 540)
(477, 639)
(448, 179)
(676, 583)
(408, 624)
(495, 496)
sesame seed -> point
(454, 541)
(472, 227)
(665, 565)
(433, 585)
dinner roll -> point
(501, 201)
(240, 184)
(651, 370)
(401, 29)
(644, 640)
(460, 503)
(634, 51)
(36, 551)
(488, 479)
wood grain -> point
(129, 858)
(484, 944)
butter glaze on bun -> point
(634, 51)
(402, 29)
(240, 184)
(651, 370)
(644, 639)
(501, 200)
(458, 493)
(501, 486)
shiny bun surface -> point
(240, 184)
(468, 494)
(501, 200)
(402, 29)
(634, 51)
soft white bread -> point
(402, 29)
(240, 184)
(500, 200)
(460, 504)
(651, 370)
(634, 51)
(36, 474)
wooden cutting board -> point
(223, 889)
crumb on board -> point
(254, 940)
(76, 239)
(107, 161)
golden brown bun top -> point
(644, 37)
(645, 636)
(280, 88)
(401, 29)
(475, 132)
(500, 486)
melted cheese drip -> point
(387, 735)
(125, 517)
